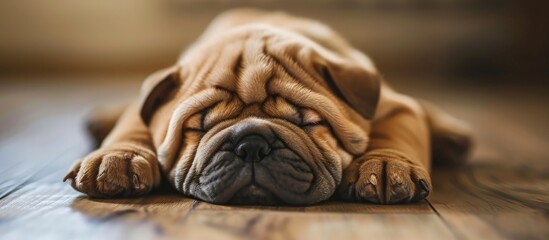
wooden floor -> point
(502, 194)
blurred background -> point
(494, 42)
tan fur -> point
(270, 69)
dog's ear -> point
(158, 88)
(353, 83)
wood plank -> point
(473, 204)
(328, 220)
(331, 206)
(267, 224)
(504, 192)
(56, 211)
(39, 127)
(20, 163)
(165, 215)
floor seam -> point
(446, 223)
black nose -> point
(252, 148)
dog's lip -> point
(256, 193)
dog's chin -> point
(254, 194)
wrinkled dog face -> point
(258, 158)
(254, 122)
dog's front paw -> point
(384, 177)
(123, 171)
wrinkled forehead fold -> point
(255, 71)
(247, 64)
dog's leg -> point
(395, 168)
(124, 165)
(102, 120)
(451, 139)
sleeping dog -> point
(268, 108)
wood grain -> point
(56, 210)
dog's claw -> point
(424, 188)
(70, 176)
(351, 191)
(370, 193)
(138, 187)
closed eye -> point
(279, 107)
(310, 118)
(195, 123)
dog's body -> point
(268, 108)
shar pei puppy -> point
(268, 108)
